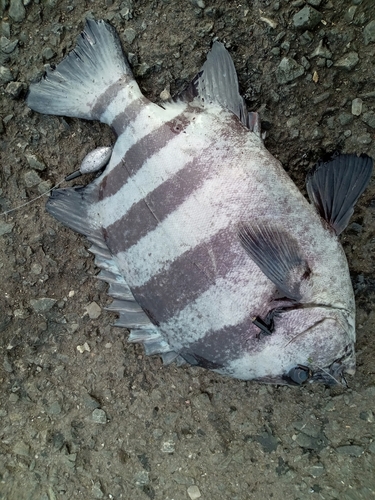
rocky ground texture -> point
(83, 413)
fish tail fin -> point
(83, 84)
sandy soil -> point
(83, 413)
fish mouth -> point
(334, 374)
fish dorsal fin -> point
(335, 185)
(217, 83)
(278, 256)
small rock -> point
(142, 478)
(48, 53)
(93, 310)
(193, 492)
(22, 449)
(357, 106)
(364, 139)
(352, 450)
(349, 16)
(17, 11)
(99, 416)
(321, 51)
(34, 163)
(367, 416)
(6, 45)
(54, 408)
(307, 18)
(369, 32)
(369, 118)
(321, 97)
(44, 187)
(5, 75)
(288, 70)
(371, 448)
(42, 305)
(97, 491)
(5, 228)
(168, 446)
(316, 470)
(129, 35)
(14, 89)
(348, 61)
(83, 348)
(32, 178)
(345, 118)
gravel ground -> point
(83, 413)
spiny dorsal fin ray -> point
(277, 254)
(334, 187)
(69, 206)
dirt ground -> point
(83, 413)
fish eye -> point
(299, 374)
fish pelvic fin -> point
(278, 255)
(334, 186)
(84, 83)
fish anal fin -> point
(335, 185)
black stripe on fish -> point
(190, 275)
(140, 152)
(145, 215)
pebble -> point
(43, 304)
(129, 35)
(364, 139)
(22, 449)
(6, 228)
(316, 470)
(44, 187)
(371, 448)
(321, 51)
(307, 18)
(369, 118)
(345, 118)
(349, 16)
(17, 11)
(357, 106)
(31, 178)
(352, 450)
(193, 492)
(322, 97)
(14, 89)
(93, 310)
(34, 162)
(7, 46)
(48, 53)
(348, 61)
(99, 416)
(5, 29)
(288, 70)
(5, 75)
(369, 32)
(367, 416)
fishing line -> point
(32, 201)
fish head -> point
(318, 344)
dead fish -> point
(212, 254)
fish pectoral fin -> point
(277, 254)
(217, 83)
(335, 185)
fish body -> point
(212, 254)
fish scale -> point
(211, 253)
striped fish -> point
(212, 254)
